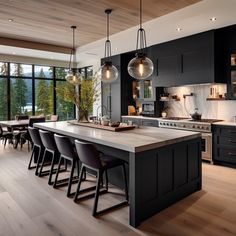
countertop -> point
(230, 123)
(136, 140)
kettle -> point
(196, 115)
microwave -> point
(148, 108)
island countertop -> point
(136, 140)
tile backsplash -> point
(224, 110)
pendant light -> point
(140, 67)
(73, 76)
(108, 72)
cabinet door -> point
(149, 122)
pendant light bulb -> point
(140, 67)
(73, 76)
(108, 73)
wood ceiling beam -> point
(34, 45)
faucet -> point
(101, 106)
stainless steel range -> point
(203, 126)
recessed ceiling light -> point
(10, 20)
(213, 19)
(178, 29)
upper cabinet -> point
(189, 60)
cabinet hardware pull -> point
(231, 154)
(231, 141)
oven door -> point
(207, 146)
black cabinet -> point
(224, 145)
(189, 60)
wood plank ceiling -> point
(49, 21)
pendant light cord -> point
(72, 57)
(108, 42)
(141, 34)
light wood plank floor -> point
(28, 206)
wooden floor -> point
(28, 206)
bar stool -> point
(38, 148)
(67, 153)
(91, 159)
(50, 148)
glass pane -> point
(147, 89)
(61, 73)
(44, 97)
(3, 68)
(233, 59)
(136, 90)
(43, 72)
(21, 97)
(233, 82)
(89, 72)
(82, 72)
(3, 100)
(65, 109)
(20, 70)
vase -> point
(83, 116)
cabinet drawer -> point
(153, 123)
(226, 141)
(226, 131)
(226, 154)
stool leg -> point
(43, 160)
(58, 170)
(38, 161)
(71, 177)
(126, 184)
(99, 176)
(106, 180)
(31, 158)
(51, 169)
(79, 183)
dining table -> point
(15, 125)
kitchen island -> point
(164, 164)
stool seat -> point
(110, 161)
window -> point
(3, 100)
(32, 91)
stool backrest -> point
(88, 154)
(48, 140)
(65, 146)
(34, 134)
(33, 120)
(1, 131)
(21, 117)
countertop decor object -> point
(141, 67)
(103, 127)
(73, 76)
(108, 72)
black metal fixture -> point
(140, 67)
(108, 72)
(73, 76)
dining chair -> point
(92, 159)
(5, 136)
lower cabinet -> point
(141, 121)
(224, 146)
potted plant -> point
(83, 96)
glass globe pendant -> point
(73, 76)
(140, 67)
(107, 71)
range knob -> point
(193, 126)
(174, 124)
(167, 124)
(171, 124)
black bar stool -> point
(38, 148)
(91, 159)
(68, 153)
(50, 148)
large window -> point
(32, 90)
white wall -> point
(224, 110)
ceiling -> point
(49, 21)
